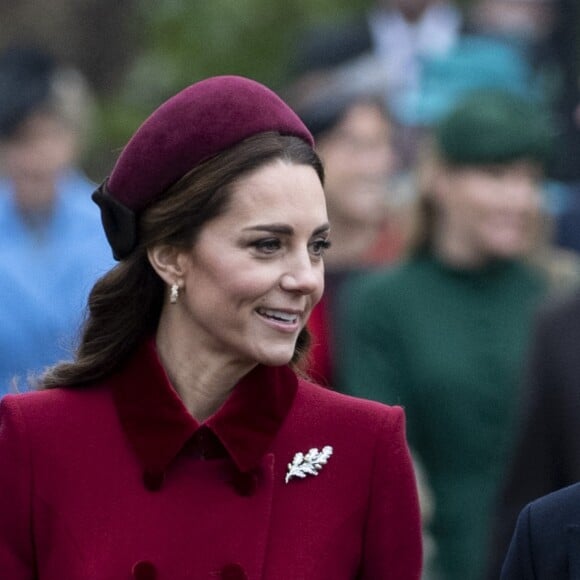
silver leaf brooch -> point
(308, 464)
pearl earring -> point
(174, 295)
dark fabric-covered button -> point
(153, 480)
(144, 570)
(204, 444)
(209, 446)
(245, 483)
(233, 572)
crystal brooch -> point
(308, 464)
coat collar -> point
(158, 425)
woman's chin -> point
(276, 357)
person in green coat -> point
(444, 332)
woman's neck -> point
(202, 381)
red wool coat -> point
(117, 482)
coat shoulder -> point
(326, 405)
(52, 411)
(561, 507)
(546, 539)
(59, 398)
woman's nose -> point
(303, 275)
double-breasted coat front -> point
(118, 481)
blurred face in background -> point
(411, 9)
(359, 161)
(34, 157)
(488, 212)
(529, 20)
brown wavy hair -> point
(124, 305)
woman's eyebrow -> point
(324, 228)
(274, 228)
(284, 229)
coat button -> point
(153, 480)
(233, 572)
(144, 570)
(245, 483)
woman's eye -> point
(318, 247)
(267, 246)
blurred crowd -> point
(451, 144)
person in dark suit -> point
(182, 442)
(546, 541)
(546, 454)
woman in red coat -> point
(181, 443)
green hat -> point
(493, 126)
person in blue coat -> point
(52, 248)
(546, 540)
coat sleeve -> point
(392, 545)
(518, 562)
(16, 544)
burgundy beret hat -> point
(197, 123)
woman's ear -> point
(168, 262)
